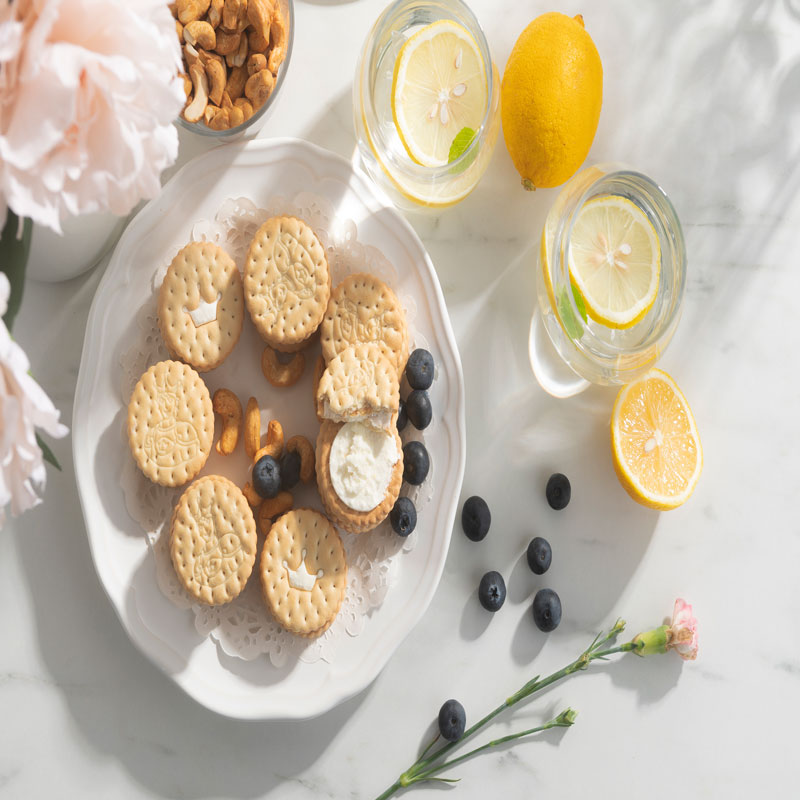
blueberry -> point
(492, 591)
(402, 416)
(416, 463)
(403, 516)
(290, 469)
(558, 491)
(476, 518)
(267, 476)
(418, 409)
(539, 555)
(419, 369)
(452, 720)
(546, 610)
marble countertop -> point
(704, 97)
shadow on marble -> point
(334, 129)
(527, 641)
(474, 618)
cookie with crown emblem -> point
(213, 540)
(363, 309)
(170, 423)
(201, 305)
(360, 385)
(287, 282)
(303, 572)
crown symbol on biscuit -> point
(205, 312)
(301, 578)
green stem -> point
(425, 766)
(553, 723)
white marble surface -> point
(705, 97)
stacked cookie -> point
(215, 526)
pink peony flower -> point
(88, 92)
(682, 633)
(24, 406)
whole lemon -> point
(551, 95)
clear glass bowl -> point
(409, 184)
(252, 126)
(598, 353)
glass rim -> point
(406, 166)
(201, 129)
(560, 254)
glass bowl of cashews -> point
(235, 57)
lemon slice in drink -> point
(439, 87)
(654, 441)
(615, 260)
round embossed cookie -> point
(362, 469)
(287, 282)
(213, 540)
(360, 383)
(363, 308)
(303, 572)
(170, 423)
(201, 305)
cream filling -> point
(361, 464)
(381, 419)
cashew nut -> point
(205, 57)
(279, 36)
(281, 374)
(251, 495)
(187, 85)
(173, 9)
(245, 106)
(190, 54)
(274, 442)
(259, 87)
(256, 62)
(227, 41)
(304, 448)
(252, 428)
(215, 13)
(271, 508)
(201, 34)
(238, 58)
(216, 80)
(191, 10)
(227, 405)
(194, 111)
(235, 117)
(179, 29)
(237, 78)
(259, 14)
(230, 13)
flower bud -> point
(649, 642)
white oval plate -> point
(165, 633)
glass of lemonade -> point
(424, 78)
(610, 279)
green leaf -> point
(565, 310)
(13, 258)
(460, 144)
(47, 453)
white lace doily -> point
(244, 628)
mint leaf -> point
(565, 311)
(460, 144)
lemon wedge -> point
(615, 260)
(654, 441)
(439, 87)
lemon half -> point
(615, 260)
(654, 442)
(439, 87)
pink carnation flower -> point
(682, 633)
(88, 92)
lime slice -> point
(439, 88)
(615, 260)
